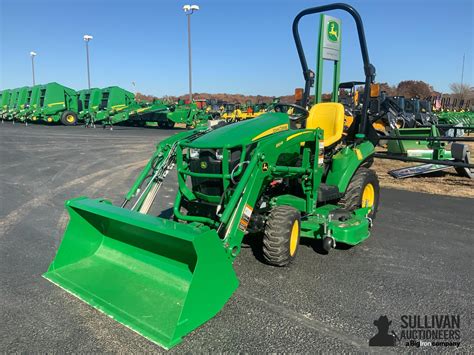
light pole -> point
(87, 38)
(189, 10)
(33, 55)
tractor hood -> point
(244, 132)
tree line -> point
(407, 88)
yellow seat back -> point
(328, 116)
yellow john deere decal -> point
(282, 127)
(119, 106)
(359, 154)
(56, 103)
(142, 109)
(333, 31)
(296, 135)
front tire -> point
(282, 235)
(363, 191)
(69, 118)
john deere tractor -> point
(282, 177)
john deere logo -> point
(203, 165)
(333, 31)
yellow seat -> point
(329, 116)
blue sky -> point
(238, 46)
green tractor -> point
(280, 178)
(56, 103)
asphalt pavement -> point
(418, 260)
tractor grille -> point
(209, 164)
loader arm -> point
(156, 169)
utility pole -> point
(87, 38)
(33, 55)
(189, 10)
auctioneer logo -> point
(333, 31)
(419, 331)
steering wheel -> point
(295, 112)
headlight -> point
(193, 153)
(219, 154)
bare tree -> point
(459, 90)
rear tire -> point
(69, 118)
(282, 235)
(362, 190)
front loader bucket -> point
(158, 277)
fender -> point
(345, 164)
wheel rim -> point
(294, 238)
(70, 118)
(368, 196)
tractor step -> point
(328, 193)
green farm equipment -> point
(30, 105)
(7, 111)
(456, 123)
(189, 114)
(426, 144)
(167, 116)
(113, 100)
(89, 100)
(56, 103)
(148, 111)
(4, 101)
(139, 113)
(19, 103)
(282, 177)
(132, 114)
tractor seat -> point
(329, 116)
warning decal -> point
(245, 219)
